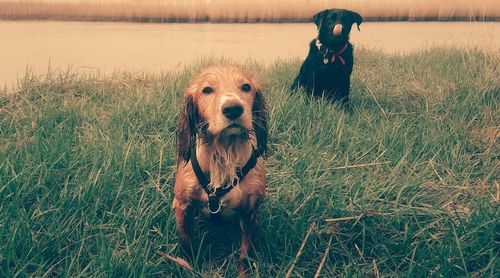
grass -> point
(245, 10)
(87, 169)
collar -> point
(327, 52)
(214, 194)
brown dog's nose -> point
(232, 110)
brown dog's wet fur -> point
(224, 118)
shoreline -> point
(31, 75)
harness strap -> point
(197, 170)
(214, 194)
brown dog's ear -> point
(260, 118)
(357, 19)
(318, 18)
(186, 133)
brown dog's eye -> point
(246, 87)
(207, 90)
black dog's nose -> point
(232, 110)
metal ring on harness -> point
(212, 201)
(214, 212)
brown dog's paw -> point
(245, 268)
(187, 250)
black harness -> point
(215, 194)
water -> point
(154, 48)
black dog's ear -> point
(260, 119)
(318, 18)
(186, 133)
(357, 19)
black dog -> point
(328, 66)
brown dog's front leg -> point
(184, 219)
(248, 223)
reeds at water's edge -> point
(245, 11)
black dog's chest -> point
(326, 79)
(331, 69)
(331, 73)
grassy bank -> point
(245, 10)
(87, 167)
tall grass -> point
(87, 171)
(245, 10)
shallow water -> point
(154, 48)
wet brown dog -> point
(221, 137)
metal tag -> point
(325, 61)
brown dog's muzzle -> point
(337, 30)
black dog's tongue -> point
(337, 30)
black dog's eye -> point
(207, 90)
(246, 87)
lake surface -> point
(155, 48)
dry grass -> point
(244, 10)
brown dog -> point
(221, 137)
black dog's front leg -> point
(296, 84)
(299, 81)
(304, 79)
